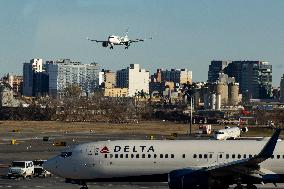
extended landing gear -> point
(84, 186)
(126, 47)
(111, 47)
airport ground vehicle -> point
(39, 171)
(21, 169)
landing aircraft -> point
(194, 164)
(113, 40)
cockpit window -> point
(218, 132)
(66, 154)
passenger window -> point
(200, 156)
(245, 156)
(155, 155)
(132, 155)
(143, 155)
(250, 156)
(239, 156)
(205, 156)
(233, 156)
(278, 156)
(172, 156)
(220, 156)
(111, 155)
(161, 155)
(210, 156)
(126, 155)
(272, 157)
(105, 155)
(183, 156)
(137, 155)
(116, 155)
(149, 155)
(194, 156)
(227, 156)
(121, 155)
(166, 155)
(283, 157)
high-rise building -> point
(134, 78)
(255, 78)
(63, 73)
(35, 79)
(282, 89)
(215, 68)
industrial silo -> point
(222, 89)
(233, 94)
(218, 102)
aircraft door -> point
(211, 159)
(89, 156)
(220, 157)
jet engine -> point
(244, 129)
(193, 180)
(105, 44)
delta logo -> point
(104, 150)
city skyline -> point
(186, 34)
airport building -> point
(134, 78)
(35, 78)
(63, 73)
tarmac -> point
(30, 146)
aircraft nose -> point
(50, 165)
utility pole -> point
(190, 114)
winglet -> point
(269, 147)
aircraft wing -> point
(245, 167)
(98, 41)
(138, 40)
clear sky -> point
(186, 33)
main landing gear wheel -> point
(239, 187)
(84, 187)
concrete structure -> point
(215, 68)
(134, 78)
(63, 73)
(35, 79)
(222, 90)
(233, 94)
(115, 92)
(282, 89)
(255, 78)
(15, 81)
(7, 96)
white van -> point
(21, 169)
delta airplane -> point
(117, 40)
(229, 133)
(193, 164)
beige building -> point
(116, 92)
(109, 79)
(179, 76)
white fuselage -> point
(229, 133)
(117, 40)
(124, 158)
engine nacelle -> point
(194, 180)
(105, 44)
(244, 129)
(227, 127)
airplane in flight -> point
(113, 40)
(194, 164)
(229, 133)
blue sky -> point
(186, 33)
